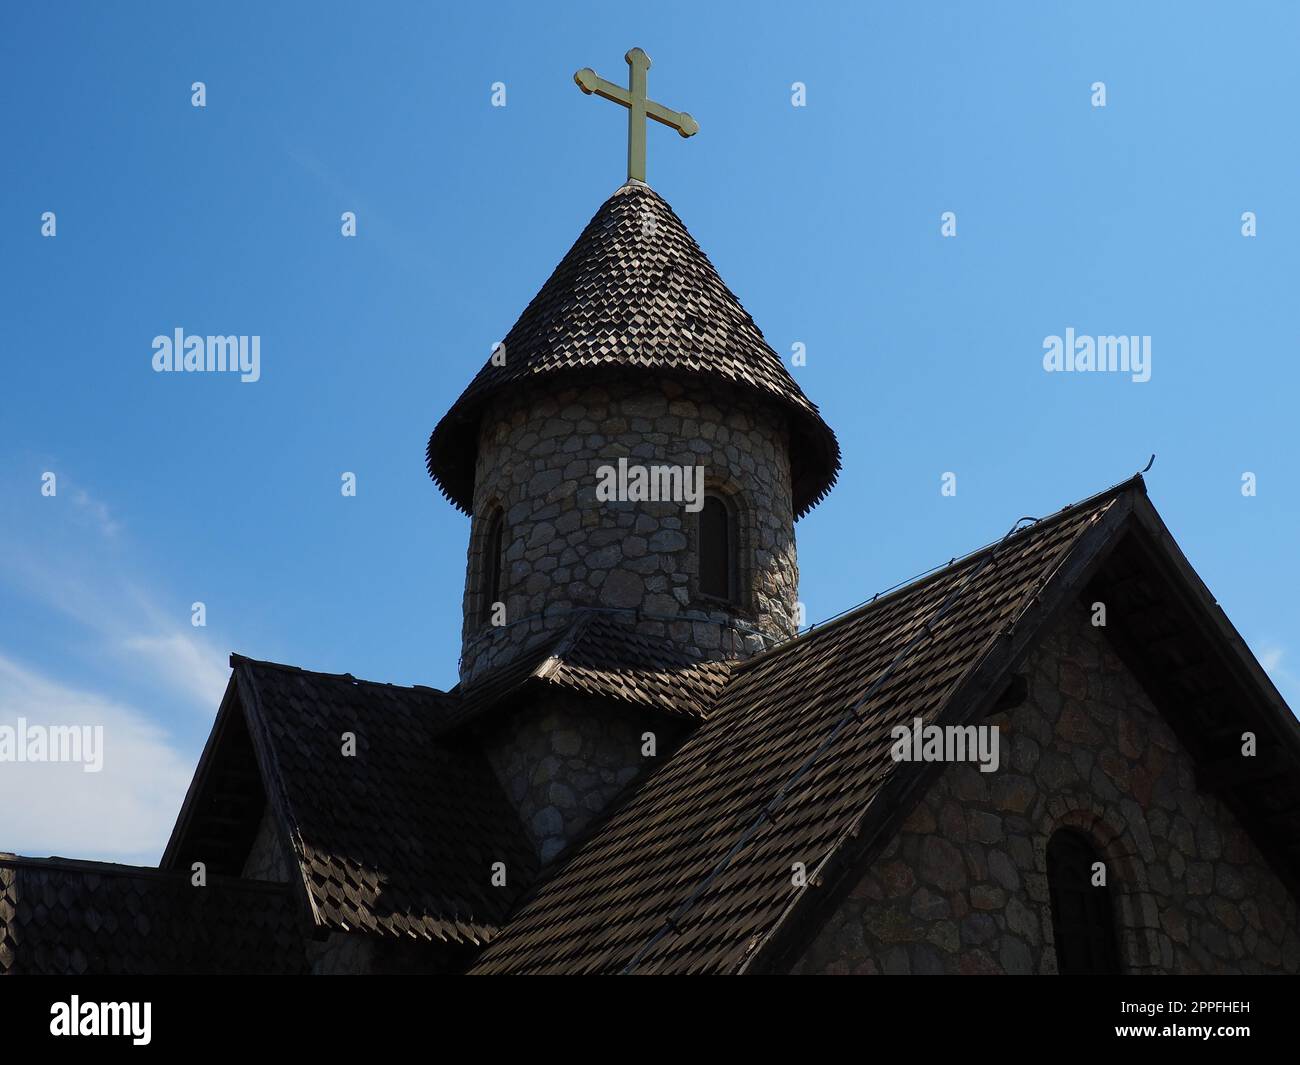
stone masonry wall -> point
(561, 762)
(538, 459)
(266, 860)
(963, 888)
(341, 954)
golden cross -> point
(639, 108)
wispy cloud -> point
(124, 812)
(67, 564)
(98, 511)
(86, 575)
(377, 227)
(183, 663)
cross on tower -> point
(639, 108)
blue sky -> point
(924, 353)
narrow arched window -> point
(717, 550)
(492, 562)
(1083, 919)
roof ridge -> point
(568, 638)
(150, 872)
(853, 613)
(236, 659)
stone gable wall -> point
(341, 954)
(538, 458)
(563, 760)
(267, 860)
(963, 888)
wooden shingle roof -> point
(600, 654)
(65, 917)
(397, 840)
(682, 874)
(690, 875)
(635, 293)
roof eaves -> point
(853, 614)
(1270, 707)
(198, 782)
(57, 863)
(1198, 595)
(237, 659)
(273, 783)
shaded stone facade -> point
(341, 954)
(563, 760)
(338, 953)
(538, 456)
(963, 887)
(266, 859)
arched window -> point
(1083, 918)
(492, 563)
(717, 542)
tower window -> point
(717, 550)
(493, 545)
(1082, 915)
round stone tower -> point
(633, 446)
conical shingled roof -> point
(636, 291)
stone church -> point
(646, 768)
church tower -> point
(634, 446)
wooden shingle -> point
(635, 294)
